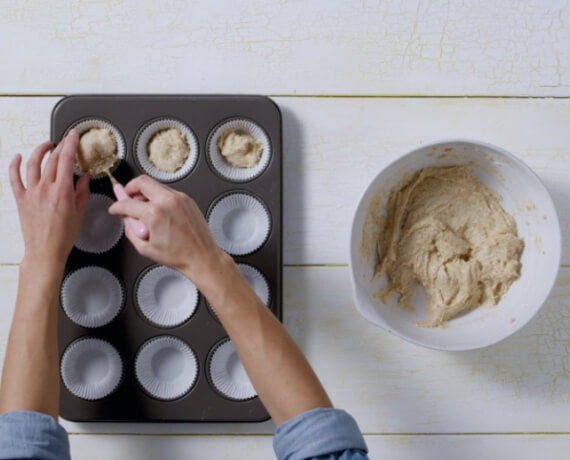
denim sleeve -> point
(323, 434)
(25, 434)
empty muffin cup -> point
(240, 223)
(144, 139)
(228, 374)
(166, 367)
(92, 296)
(100, 231)
(82, 126)
(91, 368)
(221, 164)
(165, 297)
(256, 280)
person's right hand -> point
(179, 234)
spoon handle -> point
(138, 228)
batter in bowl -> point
(447, 231)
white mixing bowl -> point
(524, 196)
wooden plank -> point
(390, 386)
(289, 47)
(521, 447)
(333, 147)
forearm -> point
(30, 378)
(280, 373)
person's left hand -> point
(51, 211)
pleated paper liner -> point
(92, 296)
(221, 164)
(146, 135)
(91, 368)
(240, 223)
(82, 126)
(228, 374)
(166, 368)
(165, 297)
(100, 231)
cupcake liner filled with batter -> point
(100, 231)
(106, 132)
(166, 367)
(228, 374)
(248, 150)
(92, 296)
(166, 149)
(91, 368)
(240, 223)
(165, 297)
(256, 280)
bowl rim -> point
(353, 229)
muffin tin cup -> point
(92, 296)
(240, 223)
(144, 138)
(228, 374)
(82, 126)
(100, 231)
(221, 164)
(165, 297)
(166, 368)
(91, 368)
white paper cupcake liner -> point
(165, 297)
(82, 126)
(92, 296)
(228, 374)
(222, 166)
(239, 223)
(166, 367)
(100, 231)
(91, 368)
(141, 149)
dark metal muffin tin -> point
(129, 330)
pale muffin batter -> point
(447, 231)
(168, 150)
(240, 150)
(97, 151)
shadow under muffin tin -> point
(137, 341)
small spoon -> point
(138, 228)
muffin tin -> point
(138, 342)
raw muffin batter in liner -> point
(240, 149)
(168, 149)
(97, 151)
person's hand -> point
(51, 211)
(179, 234)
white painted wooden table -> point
(358, 84)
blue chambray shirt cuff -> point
(317, 432)
(25, 434)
